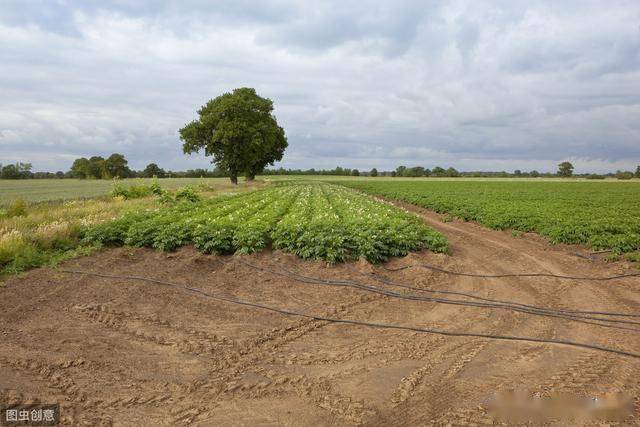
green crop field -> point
(312, 220)
(602, 215)
(43, 190)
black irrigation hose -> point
(344, 283)
(390, 282)
(499, 276)
(358, 322)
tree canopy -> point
(239, 130)
(116, 166)
(97, 167)
(152, 170)
(565, 169)
(16, 171)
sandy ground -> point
(123, 352)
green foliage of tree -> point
(415, 171)
(565, 170)
(438, 172)
(80, 168)
(638, 172)
(16, 171)
(374, 172)
(452, 172)
(152, 170)
(239, 130)
(97, 168)
(115, 166)
(355, 172)
(535, 174)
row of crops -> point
(312, 220)
(600, 215)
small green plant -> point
(516, 233)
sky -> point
(491, 85)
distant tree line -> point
(116, 166)
(565, 170)
(97, 167)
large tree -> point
(18, 171)
(117, 166)
(81, 168)
(96, 168)
(152, 170)
(239, 130)
(565, 169)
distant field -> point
(602, 215)
(432, 179)
(40, 190)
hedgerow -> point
(314, 221)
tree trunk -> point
(234, 179)
(250, 176)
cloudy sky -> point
(475, 85)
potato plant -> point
(601, 215)
(314, 221)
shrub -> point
(135, 191)
(187, 194)
(166, 198)
(624, 175)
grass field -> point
(602, 215)
(44, 190)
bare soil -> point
(124, 352)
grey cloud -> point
(359, 84)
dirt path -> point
(126, 352)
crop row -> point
(314, 221)
(599, 215)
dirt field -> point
(129, 352)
